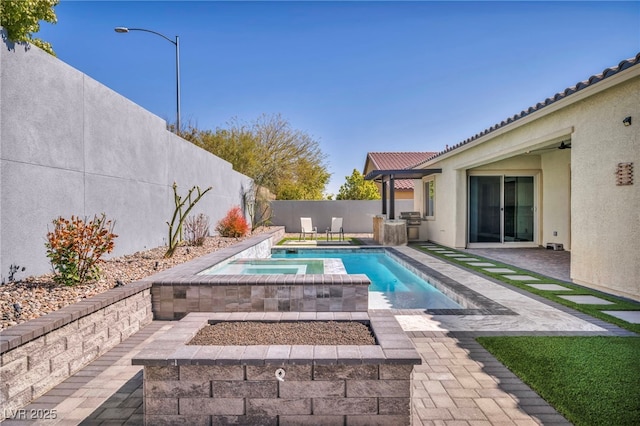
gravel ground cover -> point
(284, 333)
(38, 295)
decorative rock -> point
(38, 296)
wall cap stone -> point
(17, 335)
(177, 352)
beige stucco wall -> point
(578, 197)
(556, 197)
(399, 194)
(441, 228)
(605, 226)
(402, 194)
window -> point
(430, 198)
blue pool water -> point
(392, 285)
(267, 266)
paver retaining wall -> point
(41, 353)
(37, 355)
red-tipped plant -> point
(233, 225)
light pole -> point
(176, 43)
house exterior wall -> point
(556, 197)
(605, 226)
(578, 196)
(399, 194)
(71, 146)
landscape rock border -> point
(36, 296)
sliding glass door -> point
(485, 203)
(501, 209)
(518, 209)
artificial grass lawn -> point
(593, 310)
(589, 380)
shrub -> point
(196, 229)
(233, 224)
(75, 247)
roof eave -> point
(604, 84)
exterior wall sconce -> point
(627, 121)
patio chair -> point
(336, 228)
(306, 227)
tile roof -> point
(623, 65)
(398, 160)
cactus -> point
(175, 232)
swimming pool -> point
(392, 285)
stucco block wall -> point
(357, 215)
(70, 145)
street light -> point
(175, 43)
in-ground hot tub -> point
(277, 266)
(183, 289)
(279, 384)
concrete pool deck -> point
(458, 383)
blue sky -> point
(357, 76)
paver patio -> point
(459, 382)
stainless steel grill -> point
(412, 218)
(413, 224)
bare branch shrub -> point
(196, 229)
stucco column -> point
(460, 209)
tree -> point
(21, 19)
(303, 182)
(287, 162)
(356, 188)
